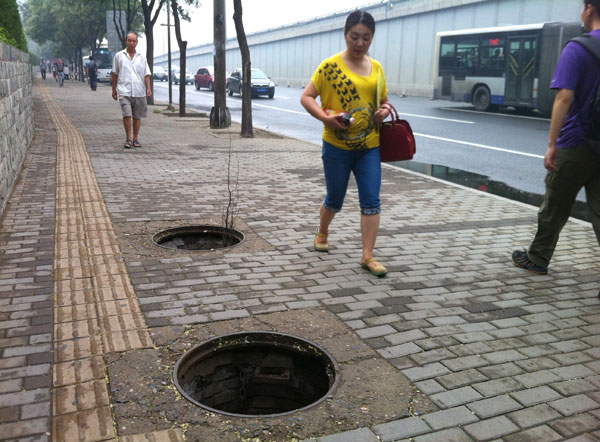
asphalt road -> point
(505, 146)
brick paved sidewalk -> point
(456, 342)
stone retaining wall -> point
(16, 116)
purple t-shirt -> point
(578, 71)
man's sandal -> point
(127, 144)
(377, 269)
(321, 246)
(136, 143)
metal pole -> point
(169, 51)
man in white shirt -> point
(131, 85)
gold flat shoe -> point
(377, 269)
(321, 246)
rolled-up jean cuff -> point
(331, 209)
(370, 211)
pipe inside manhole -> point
(252, 374)
(198, 238)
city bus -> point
(103, 59)
(501, 66)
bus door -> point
(520, 71)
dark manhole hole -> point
(256, 374)
(198, 238)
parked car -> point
(189, 78)
(160, 74)
(205, 78)
(261, 84)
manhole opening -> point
(198, 238)
(256, 374)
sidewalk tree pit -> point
(253, 374)
(198, 238)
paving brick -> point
(401, 429)
(429, 387)
(494, 406)
(573, 425)
(462, 378)
(573, 387)
(501, 370)
(464, 363)
(24, 428)
(491, 428)
(536, 395)
(452, 417)
(574, 404)
(454, 398)
(399, 350)
(536, 378)
(533, 416)
(24, 397)
(542, 433)
(373, 332)
(405, 337)
(449, 435)
(426, 372)
(496, 387)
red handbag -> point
(396, 139)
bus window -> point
(492, 54)
(467, 55)
(447, 56)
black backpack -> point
(592, 45)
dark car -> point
(261, 84)
(205, 78)
(160, 74)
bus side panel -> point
(462, 90)
(554, 37)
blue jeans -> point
(93, 82)
(366, 166)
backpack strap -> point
(592, 44)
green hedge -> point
(11, 29)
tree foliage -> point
(133, 17)
(71, 24)
(10, 22)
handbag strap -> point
(393, 111)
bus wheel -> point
(481, 98)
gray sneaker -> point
(521, 259)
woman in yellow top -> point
(353, 103)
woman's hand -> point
(381, 114)
(334, 122)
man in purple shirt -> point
(570, 159)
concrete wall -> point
(404, 39)
(16, 116)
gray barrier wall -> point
(404, 38)
(16, 116)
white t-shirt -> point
(131, 74)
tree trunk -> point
(149, 31)
(247, 130)
(182, 61)
(219, 114)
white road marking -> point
(436, 118)
(495, 114)
(481, 146)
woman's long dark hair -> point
(360, 17)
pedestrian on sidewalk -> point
(131, 86)
(92, 73)
(354, 102)
(572, 160)
(60, 71)
(43, 69)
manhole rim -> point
(189, 353)
(238, 234)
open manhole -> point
(256, 374)
(198, 238)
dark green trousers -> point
(575, 168)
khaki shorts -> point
(135, 107)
